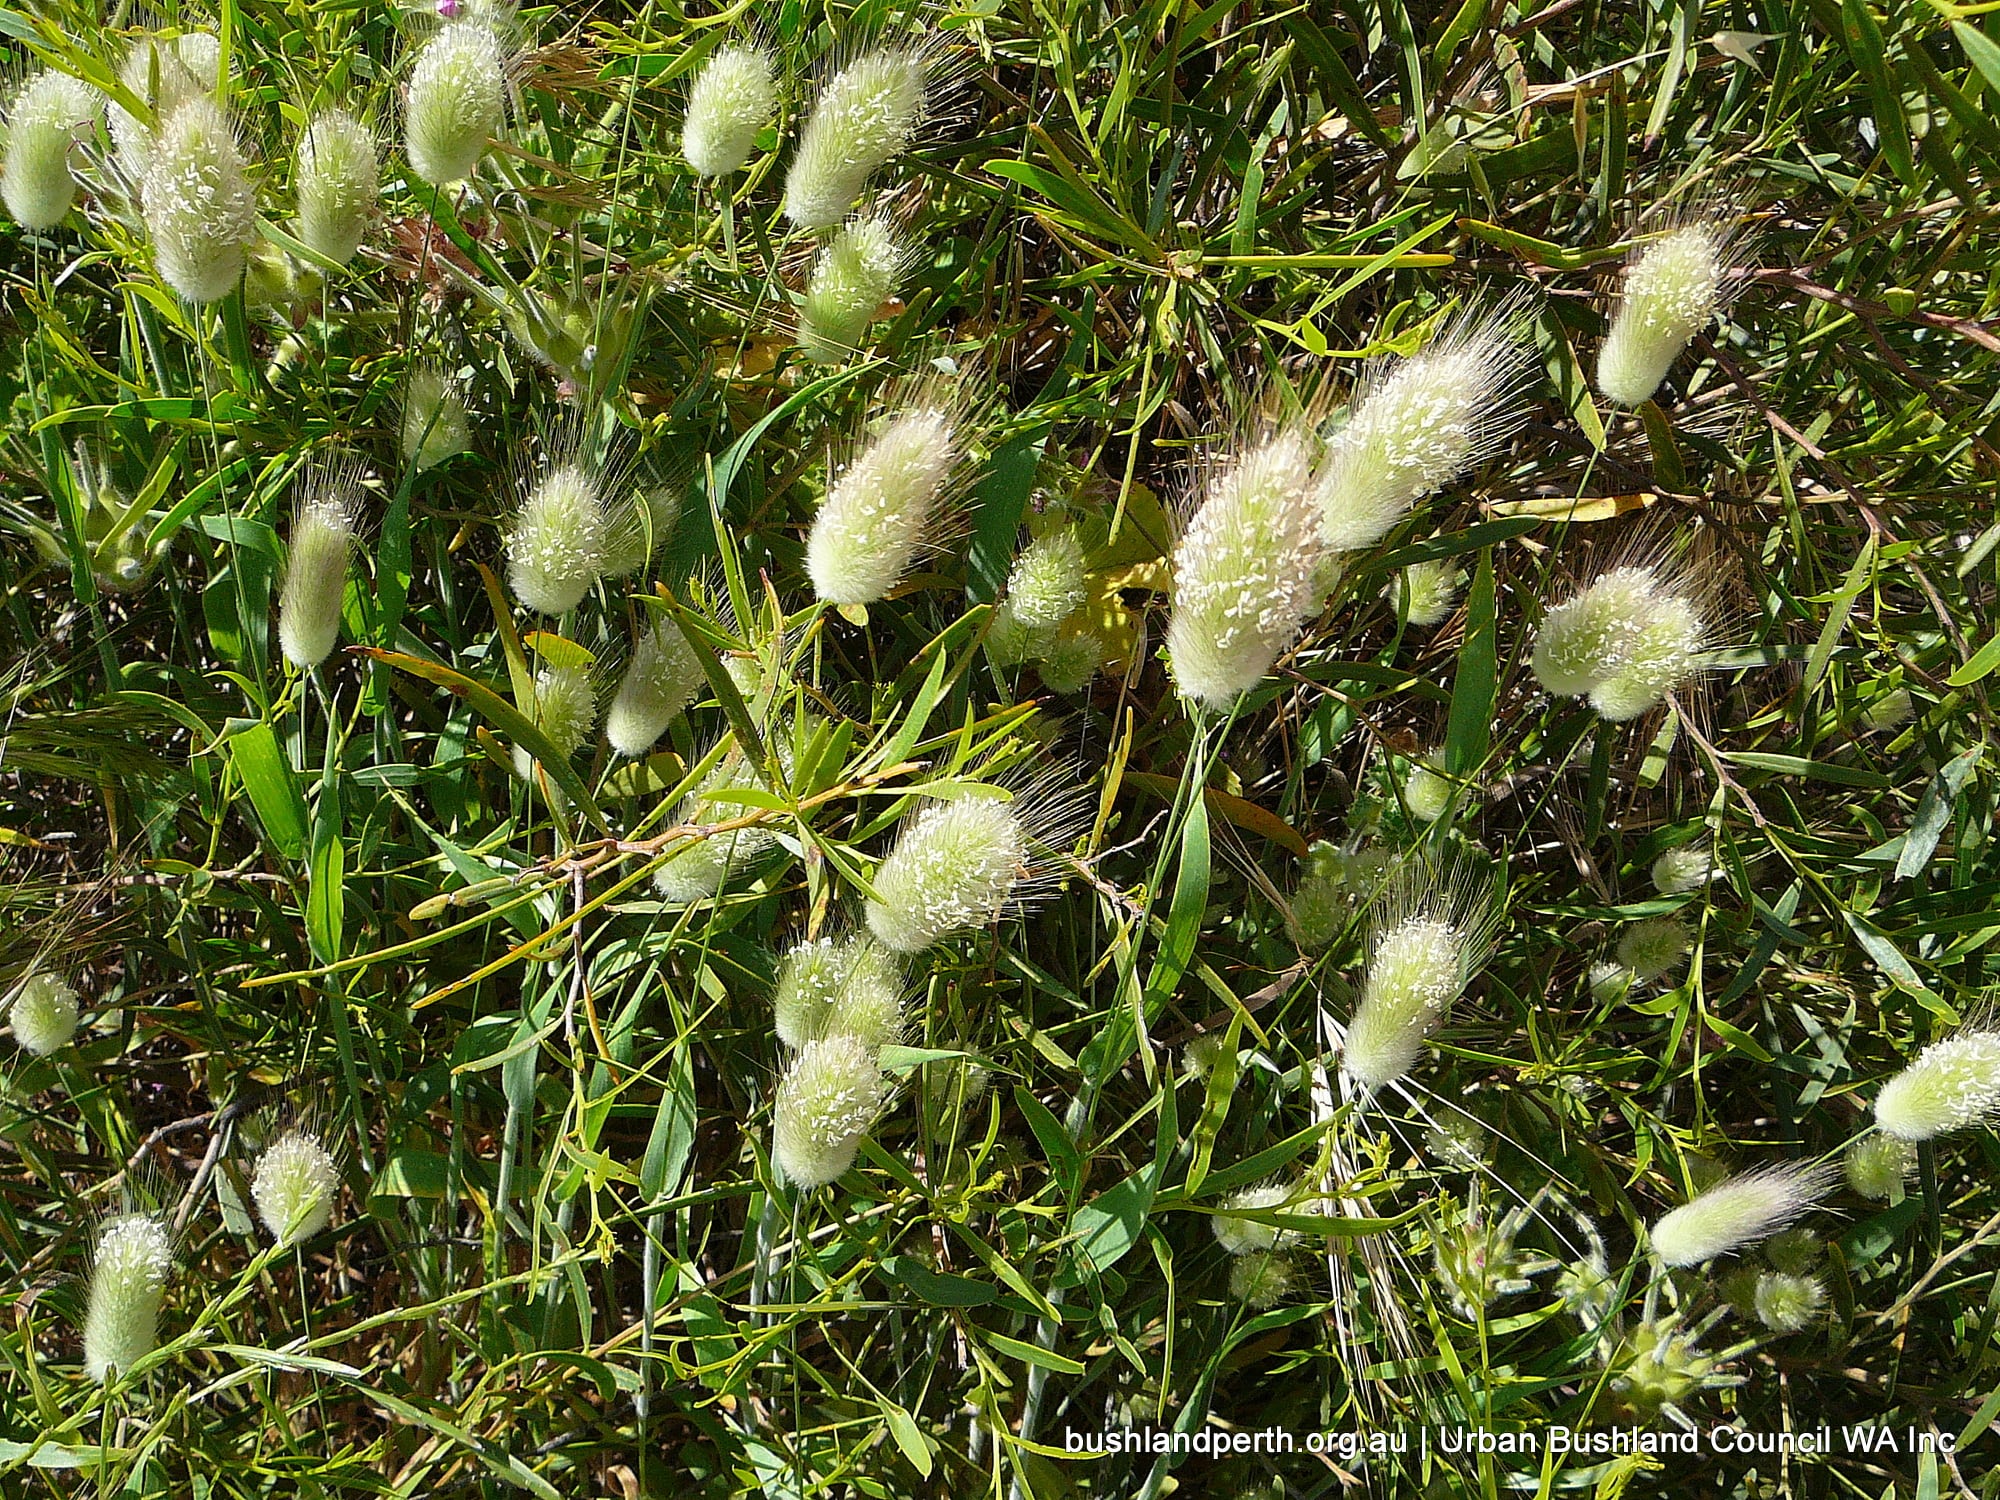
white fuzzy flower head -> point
(457, 101)
(1416, 971)
(561, 537)
(876, 514)
(1245, 570)
(128, 1277)
(1683, 868)
(1426, 790)
(1046, 585)
(564, 709)
(1071, 661)
(198, 203)
(322, 542)
(1671, 293)
(862, 118)
(1876, 1165)
(165, 74)
(1321, 902)
(826, 1103)
(839, 987)
(434, 421)
(641, 524)
(1789, 1304)
(1736, 1212)
(1241, 1236)
(1954, 1084)
(663, 674)
(43, 1013)
(854, 275)
(1626, 640)
(1665, 652)
(1424, 592)
(43, 122)
(338, 184)
(1609, 982)
(1011, 641)
(696, 868)
(1417, 425)
(1262, 1278)
(732, 99)
(1652, 947)
(952, 869)
(294, 1186)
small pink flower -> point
(449, 9)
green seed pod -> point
(733, 98)
(1417, 425)
(1672, 292)
(293, 1187)
(663, 674)
(1789, 1304)
(1245, 572)
(1046, 585)
(165, 74)
(43, 1013)
(128, 1277)
(1424, 592)
(1070, 661)
(434, 422)
(1262, 1279)
(42, 125)
(1241, 1236)
(316, 571)
(1796, 1252)
(198, 202)
(952, 868)
(1653, 947)
(561, 538)
(827, 1102)
(457, 102)
(1876, 1165)
(855, 274)
(1953, 1084)
(1737, 1212)
(878, 511)
(339, 184)
(863, 117)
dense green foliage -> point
(375, 899)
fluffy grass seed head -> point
(1429, 940)
(1665, 651)
(322, 543)
(1241, 1236)
(198, 203)
(128, 1277)
(1683, 868)
(1245, 571)
(294, 1186)
(1426, 789)
(565, 709)
(1320, 902)
(855, 274)
(697, 868)
(881, 506)
(1609, 982)
(1737, 1211)
(1672, 290)
(953, 867)
(1424, 592)
(1262, 1279)
(1416, 425)
(164, 72)
(434, 420)
(641, 524)
(827, 1101)
(42, 125)
(1789, 1304)
(1587, 639)
(733, 98)
(1046, 585)
(848, 986)
(43, 1012)
(1071, 660)
(1010, 641)
(1953, 1084)
(862, 118)
(662, 676)
(338, 183)
(562, 534)
(1876, 1165)
(1653, 947)
(457, 101)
